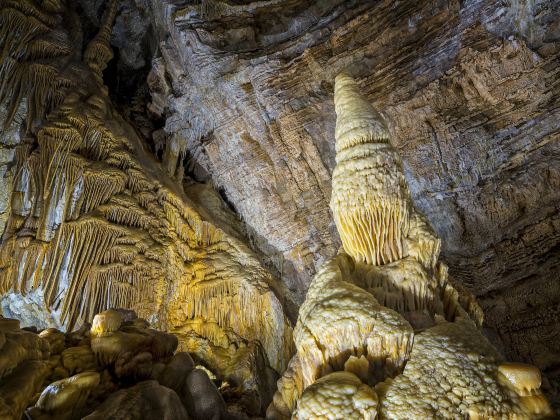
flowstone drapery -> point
(383, 331)
(95, 222)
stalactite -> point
(457, 301)
(53, 45)
(137, 181)
(123, 160)
(124, 211)
(98, 53)
(29, 9)
(92, 227)
(101, 182)
(98, 141)
(27, 46)
(78, 247)
(59, 195)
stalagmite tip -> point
(356, 120)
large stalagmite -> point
(370, 200)
(384, 315)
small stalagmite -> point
(106, 321)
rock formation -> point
(94, 221)
(469, 90)
(423, 354)
(23, 367)
(120, 369)
(148, 292)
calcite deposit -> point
(193, 228)
(422, 357)
(337, 395)
(95, 222)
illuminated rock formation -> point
(129, 372)
(453, 372)
(96, 223)
(66, 398)
(338, 395)
(385, 314)
(468, 89)
(370, 200)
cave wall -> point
(93, 220)
(470, 90)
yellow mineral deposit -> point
(106, 321)
(96, 223)
(369, 201)
(386, 315)
(524, 382)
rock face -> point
(94, 221)
(470, 93)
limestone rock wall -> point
(470, 92)
(94, 222)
